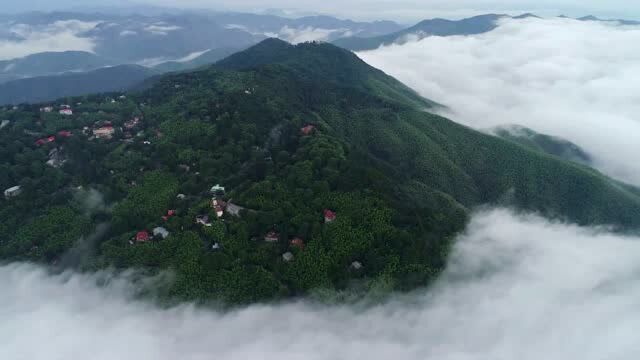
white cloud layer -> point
(305, 34)
(161, 28)
(57, 36)
(577, 80)
(517, 287)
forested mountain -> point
(47, 88)
(281, 171)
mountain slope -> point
(434, 27)
(46, 88)
(335, 178)
(427, 150)
(321, 63)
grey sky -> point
(400, 10)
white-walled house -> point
(12, 192)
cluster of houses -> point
(145, 236)
(64, 110)
(221, 206)
(158, 233)
(105, 130)
(297, 242)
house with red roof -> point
(48, 139)
(65, 133)
(170, 213)
(143, 236)
(105, 132)
(329, 216)
(307, 129)
(297, 243)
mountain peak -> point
(589, 18)
(527, 16)
(276, 51)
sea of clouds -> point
(516, 287)
(563, 77)
(58, 36)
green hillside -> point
(400, 181)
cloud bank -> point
(517, 287)
(57, 36)
(305, 34)
(567, 78)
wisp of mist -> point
(516, 287)
(568, 78)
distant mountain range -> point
(51, 63)
(443, 27)
(46, 88)
(63, 81)
(434, 27)
(183, 41)
(135, 38)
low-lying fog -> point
(573, 79)
(517, 287)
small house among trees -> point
(160, 232)
(143, 236)
(217, 190)
(307, 129)
(272, 236)
(287, 257)
(329, 216)
(12, 192)
(203, 220)
(297, 243)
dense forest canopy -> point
(279, 171)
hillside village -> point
(279, 172)
(123, 128)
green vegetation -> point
(401, 181)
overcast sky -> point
(400, 10)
